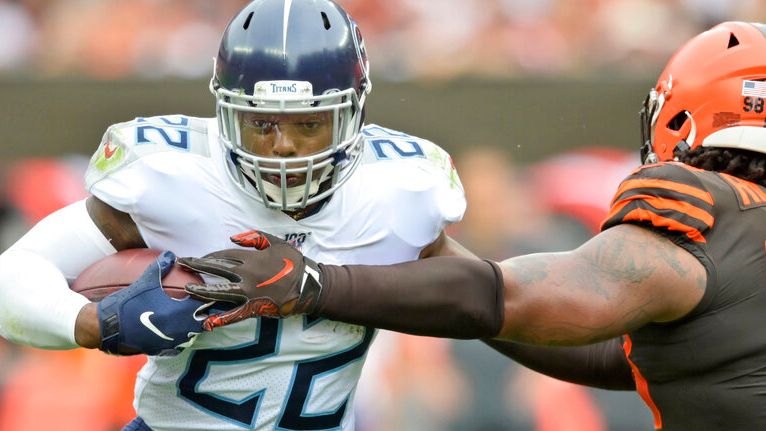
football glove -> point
(270, 279)
(143, 319)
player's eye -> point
(311, 125)
(263, 127)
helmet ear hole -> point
(677, 121)
(733, 41)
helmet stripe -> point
(285, 20)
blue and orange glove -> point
(270, 279)
(143, 319)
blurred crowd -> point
(407, 39)
(409, 383)
(66, 390)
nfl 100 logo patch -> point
(296, 239)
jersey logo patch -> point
(296, 239)
(109, 150)
(109, 157)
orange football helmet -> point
(712, 93)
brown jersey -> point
(706, 371)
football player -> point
(288, 152)
(671, 293)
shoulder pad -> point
(386, 145)
(124, 143)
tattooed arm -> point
(620, 280)
(623, 278)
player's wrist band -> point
(311, 288)
(109, 324)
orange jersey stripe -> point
(663, 184)
(642, 386)
(675, 205)
(639, 214)
(616, 208)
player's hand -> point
(272, 279)
(143, 319)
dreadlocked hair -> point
(748, 165)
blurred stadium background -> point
(537, 101)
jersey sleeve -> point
(122, 168)
(448, 195)
(415, 184)
(668, 198)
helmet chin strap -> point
(693, 132)
(685, 144)
(293, 194)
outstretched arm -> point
(618, 281)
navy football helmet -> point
(283, 58)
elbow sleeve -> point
(36, 306)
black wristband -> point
(109, 325)
(311, 288)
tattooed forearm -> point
(575, 331)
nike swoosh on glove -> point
(143, 319)
(270, 279)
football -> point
(119, 270)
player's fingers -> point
(220, 267)
(165, 262)
(227, 292)
(218, 320)
(254, 238)
(253, 308)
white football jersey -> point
(297, 373)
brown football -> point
(119, 270)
